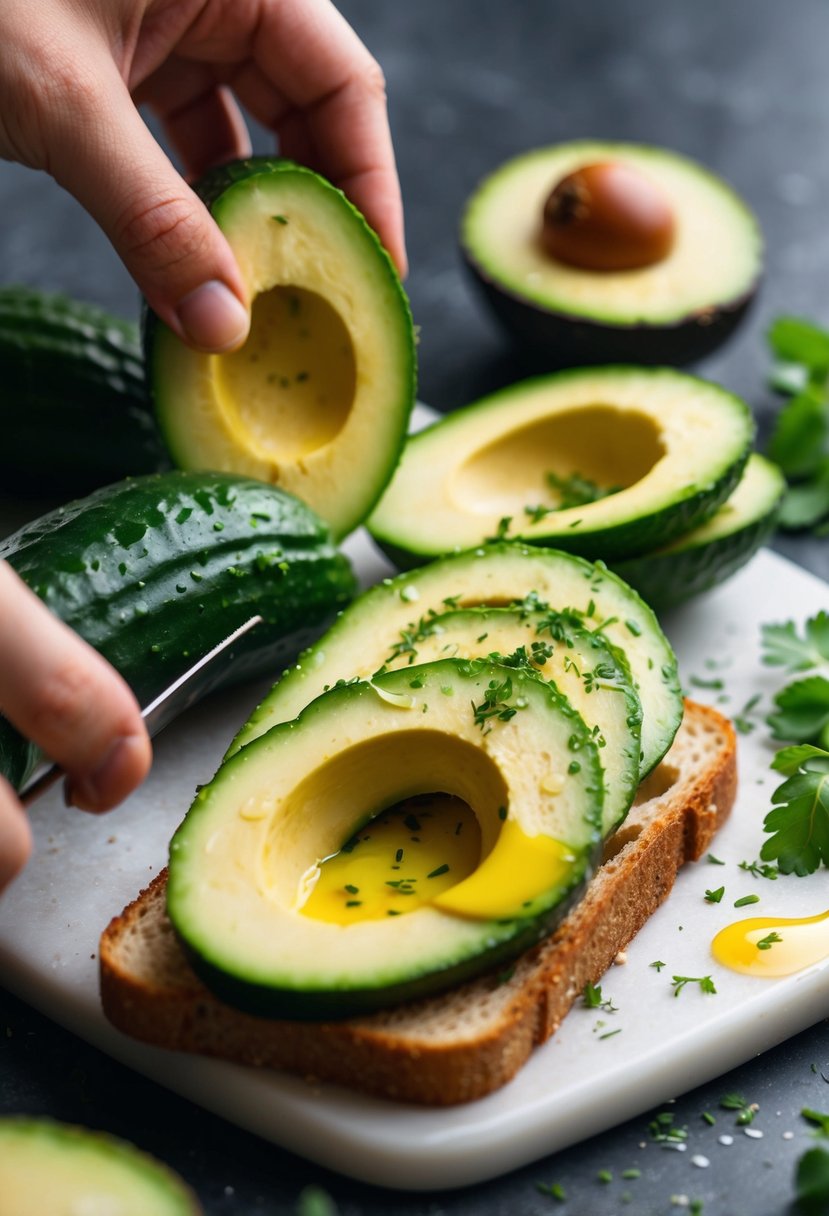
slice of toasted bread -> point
(468, 1042)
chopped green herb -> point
(706, 984)
(715, 685)
(745, 1110)
(745, 900)
(743, 724)
(502, 813)
(820, 1120)
(714, 861)
(658, 965)
(280, 219)
(708, 1118)
(354, 903)
(661, 1129)
(631, 1173)
(608, 1034)
(398, 857)
(714, 897)
(771, 939)
(554, 1189)
(574, 490)
(495, 704)
(352, 890)
(313, 1201)
(759, 870)
(444, 869)
(604, 1176)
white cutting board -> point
(85, 869)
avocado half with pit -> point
(48, 1168)
(595, 252)
(318, 398)
(399, 837)
(708, 555)
(604, 462)
(398, 615)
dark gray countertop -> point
(741, 85)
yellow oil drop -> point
(772, 946)
(406, 857)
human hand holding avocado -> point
(71, 79)
(73, 74)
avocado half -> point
(324, 385)
(605, 462)
(508, 853)
(673, 312)
(48, 1168)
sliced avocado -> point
(711, 553)
(605, 462)
(515, 846)
(580, 663)
(672, 311)
(370, 631)
(325, 382)
(55, 1169)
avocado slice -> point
(326, 380)
(708, 555)
(580, 663)
(605, 462)
(673, 311)
(53, 1168)
(312, 794)
(371, 629)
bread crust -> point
(468, 1042)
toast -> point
(465, 1043)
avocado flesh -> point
(708, 555)
(364, 636)
(325, 381)
(58, 1170)
(580, 664)
(664, 448)
(239, 863)
(715, 261)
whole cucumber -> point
(73, 405)
(155, 571)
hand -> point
(60, 692)
(73, 71)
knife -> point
(169, 703)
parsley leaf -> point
(799, 819)
(806, 503)
(794, 340)
(745, 1110)
(784, 647)
(821, 1120)
(812, 1180)
(574, 490)
(799, 436)
(802, 710)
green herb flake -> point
(745, 1110)
(444, 869)
(705, 982)
(759, 869)
(771, 939)
(820, 1121)
(280, 219)
(604, 1176)
(351, 889)
(714, 897)
(714, 861)
(554, 1189)
(745, 900)
(657, 965)
(708, 1118)
(313, 1201)
(631, 1173)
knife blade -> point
(170, 702)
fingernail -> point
(105, 785)
(213, 318)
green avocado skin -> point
(156, 571)
(553, 341)
(671, 578)
(74, 408)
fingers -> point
(200, 117)
(106, 156)
(15, 835)
(60, 693)
(316, 62)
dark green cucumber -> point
(155, 571)
(73, 410)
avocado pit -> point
(607, 217)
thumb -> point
(107, 157)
